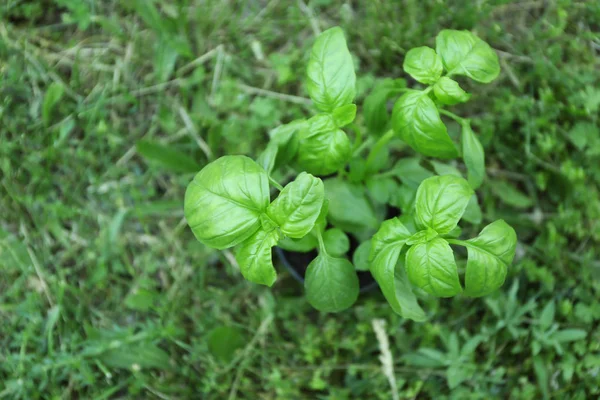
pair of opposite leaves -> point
(331, 81)
(429, 262)
(228, 204)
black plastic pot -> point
(297, 263)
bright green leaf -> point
(361, 256)
(224, 201)
(331, 283)
(423, 64)
(490, 254)
(473, 156)
(323, 148)
(303, 245)
(441, 202)
(449, 92)
(386, 245)
(431, 267)
(298, 205)
(422, 237)
(254, 257)
(330, 77)
(473, 213)
(463, 53)
(344, 115)
(416, 119)
(336, 242)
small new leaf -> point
(473, 156)
(255, 259)
(344, 115)
(298, 205)
(441, 202)
(449, 92)
(224, 201)
(323, 148)
(331, 283)
(336, 242)
(385, 250)
(463, 53)
(431, 267)
(490, 254)
(416, 119)
(423, 64)
(330, 77)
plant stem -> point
(359, 137)
(380, 144)
(276, 184)
(455, 117)
(458, 242)
(321, 242)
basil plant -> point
(345, 187)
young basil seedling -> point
(342, 218)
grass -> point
(108, 107)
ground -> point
(107, 108)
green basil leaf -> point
(298, 205)
(361, 255)
(431, 267)
(473, 213)
(410, 171)
(302, 245)
(375, 105)
(423, 64)
(323, 148)
(287, 138)
(441, 202)
(349, 208)
(344, 115)
(463, 53)
(336, 242)
(416, 119)
(331, 283)
(449, 92)
(423, 236)
(381, 190)
(254, 257)
(224, 202)
(404, 198)
(386, 245)
(473, 156)
(490, 254)
(267, 158)
(321, 222)
(331, 81)
(444, 169)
